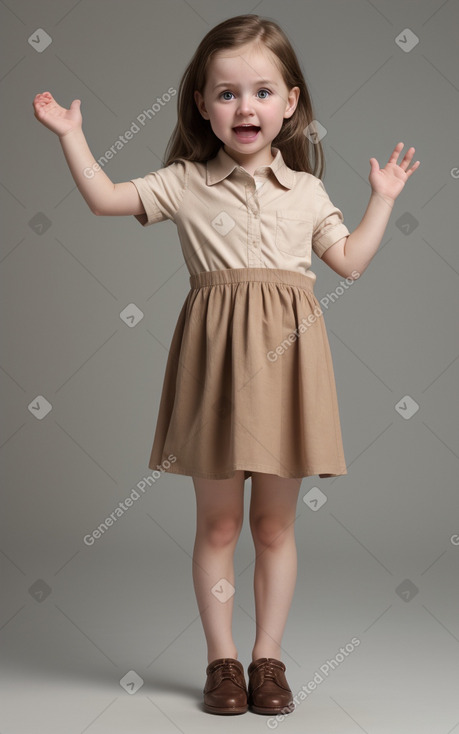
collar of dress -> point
(222, 165)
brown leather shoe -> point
(268, 691)
(225, 691)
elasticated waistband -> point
(238, 275)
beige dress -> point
(249, 381)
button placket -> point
(253, 232)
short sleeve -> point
(328, 222)
(161, 192)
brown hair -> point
(193, 138)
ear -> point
(199, 99)
(293, 97)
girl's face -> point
(245, 87)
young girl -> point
(249, 386)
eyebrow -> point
(259, 81)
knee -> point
(222, 530)
(270, 531)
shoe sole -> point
(287, 709)
(218, 710)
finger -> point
(409, 153)
(408, 157)
(396, 152)
(374, 166)
(413, 168)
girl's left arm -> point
(355, 253)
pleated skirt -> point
(249, 381)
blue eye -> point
(260, 90)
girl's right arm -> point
(100, 193)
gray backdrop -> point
(107, 637)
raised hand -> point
(58, 119)
(390, 180)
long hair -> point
(193, 138)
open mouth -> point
(246, 132)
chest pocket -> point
(294, 229)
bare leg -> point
(220, 511)
(272, 517)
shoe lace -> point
(228, 669)
(269, 670)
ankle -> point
(266, 653)
(221, 652)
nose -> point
(245, 105)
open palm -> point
(53, 116)
(390, 180)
